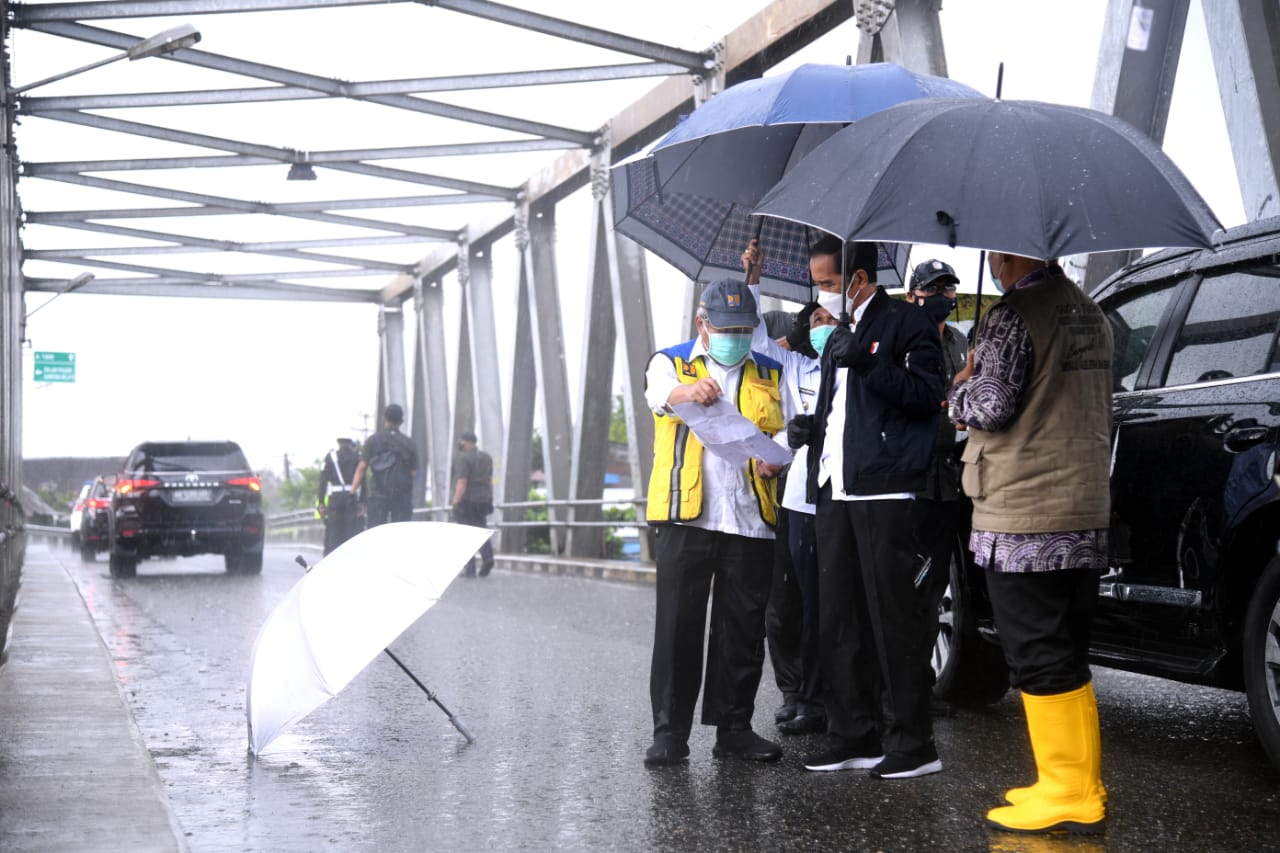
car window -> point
(1134, 318)
(188, 456)
(1231, 329)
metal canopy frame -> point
(386, 220)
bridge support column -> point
(433, 365)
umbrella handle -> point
(457, 723)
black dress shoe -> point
(665, 751)
(787, 710)
(803, 724)
(746, 744)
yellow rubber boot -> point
(1015, 796)
(1068, 751)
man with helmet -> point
(336, 502)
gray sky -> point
(289, 377)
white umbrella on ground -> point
(343, 613)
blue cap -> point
(729, 304)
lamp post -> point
(158, 45)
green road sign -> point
(55, 367)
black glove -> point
(798, 431)
(798, 337)
(848, 351)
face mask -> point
(939, 306)
(995, 279)
(728, 348)
(818, 337)
(833, 302)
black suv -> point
(181, 498)
(1193, 591)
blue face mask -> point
(818, 337)
(728, 348)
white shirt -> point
(729, 503)
(801, 378)
(831, 463)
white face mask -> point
(833, 302)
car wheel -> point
(968, 669)
(244, 563)
(1262, 659)
(122, 566)
(86, 552)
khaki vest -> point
(1047, 470)
(675, 484)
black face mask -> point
(939, 306)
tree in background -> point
(299, 491)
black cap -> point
(468, 436)
(342, 439)
(933, 272)
(393, 413)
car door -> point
(1191, 445)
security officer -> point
(336, 502)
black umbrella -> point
(1033, 179)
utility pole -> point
(364, 430)
(287, 479)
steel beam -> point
(328, 86)
(595, 381)
(1137, 64)
(910, 36)
(548, 360)
(524, 395)
(1244, 36)
(259, 94)
(433, 362)
(478, 294)
(392, 387)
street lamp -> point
(158, 45)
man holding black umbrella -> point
(1036, 398)
(870, 442)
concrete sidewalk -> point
(74, 771)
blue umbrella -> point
(689, 198)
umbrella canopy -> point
(688, 199)
(704, 237)
(343, 613)
(1024, 177)
(739, 144)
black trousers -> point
(1045, 622)
(937, 523)
(735, 571)
(340, 520)
(791, 622)
(476, 515)
(875, 645)
(383, 510)
(784, 617)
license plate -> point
(191, 496)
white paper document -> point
(725, 432)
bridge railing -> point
(514, 515)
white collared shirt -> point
(831, 463)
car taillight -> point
(254, 484)
(99, 503)
(125, 487)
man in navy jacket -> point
(871, 439)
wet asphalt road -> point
(551, 674)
